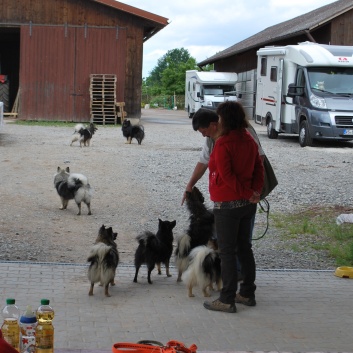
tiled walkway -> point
(297, 311)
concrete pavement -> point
(297, 311)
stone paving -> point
(297, 311)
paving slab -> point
(297, 311)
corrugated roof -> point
(287, 29)
(158, 22)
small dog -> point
(104, 259)
(72, 186)
(155, 248)
(83, 134)
(200, 231)
(132, 131)
(204, 270)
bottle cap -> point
(44, 301)
(10, 301)
(28, 317)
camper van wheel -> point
(304, 135)
(190, 114)
(271, 132)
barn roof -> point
(299, 25)
(154, 22)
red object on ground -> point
(5, 347)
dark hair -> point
(203, 118)
(232, 116)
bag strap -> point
(156, 347)
(267, 211)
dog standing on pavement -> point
(204, 269)
(155, 249)
(104, 259)
(200, 231)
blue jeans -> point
(233, 228)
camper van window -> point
(273, 74)
(300, 81)
(263, 66)
(337, 80)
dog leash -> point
(267, 211)
(153, 347)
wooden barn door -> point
(98, 51)
(55, 66)
(47, 72)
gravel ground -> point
(135, 185)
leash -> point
(266, 209)
(153, 347)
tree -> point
(169, 74)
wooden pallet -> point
(103, 97)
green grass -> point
(54, 123)
(316, 228)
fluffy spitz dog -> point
(155, 249)
(132, 131)
(200, 231)
(204, 269)
(72, 186)
(83, 134)
(104, 259)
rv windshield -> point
(215, 90)
(331, 79)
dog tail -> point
(78, 127)
(149, 240)
(76, 180)
(183, 246)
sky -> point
(205, 27)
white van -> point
(208, 89)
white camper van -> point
(207, 89)
(306, 89)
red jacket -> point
(235, 167)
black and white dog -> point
(72, 186)
(84, 134)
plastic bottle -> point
(10, 328)
(45, 329)
(28, 324)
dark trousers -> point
(233, 227)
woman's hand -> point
(255, 198)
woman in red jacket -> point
(236, 177)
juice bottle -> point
(45, 329)
(10, 327)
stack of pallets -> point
(103, 97)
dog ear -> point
(58, 170)
(68, 169)
(173, 224)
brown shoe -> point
(246, 301)
(217, 305)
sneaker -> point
(246, 301)
(217, 305)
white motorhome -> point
(207, 89)
(306, 89)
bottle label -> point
(28, 344)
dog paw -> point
(169, 275)
(191, 295)
(90, 293)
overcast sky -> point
(205, 27)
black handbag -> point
(270, 181)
